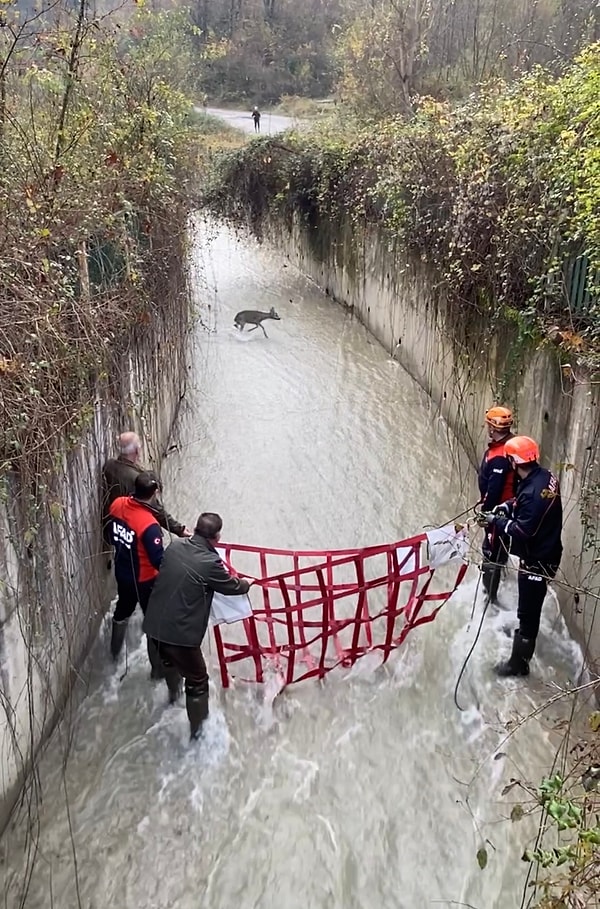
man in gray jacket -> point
(118, 479)
(191, 572)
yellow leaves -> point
(29, 536)
(572, 341)
(439, 110)
(50, 356)
(568, 136)
(10, 366)
(216, 49)
(568, 340)
(594, 721)
(56, 511)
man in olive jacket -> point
(119, 476)
(191, 572)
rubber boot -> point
(197, 711)
(157, 671)
(173, 680)
(495, 575)
(490, 579)
(119, 630)
(518, 662)
(485, 576)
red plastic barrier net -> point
(314, 611)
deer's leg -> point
(264, 332)
(252, 329)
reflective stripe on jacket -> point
(497, 479)
(137, 538)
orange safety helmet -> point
(522, 450)
(499, 417)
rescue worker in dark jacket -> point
(119, 478)
(179, 609)
(137, 538)
(497, 484)
(533, 523)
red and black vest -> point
(497, 479)
(137, 538)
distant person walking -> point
(256, 118)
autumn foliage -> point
(500, 195)
(96, 153)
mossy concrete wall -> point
(55, 583)
(462, 366)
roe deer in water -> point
(254, 317)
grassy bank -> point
(214, 135)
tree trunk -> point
(71, 76)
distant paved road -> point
(239, 119)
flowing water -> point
(366, 791)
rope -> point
(452, 520)
(483, 614)
(474, 644)
(126, 658)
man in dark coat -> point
(138, 543)
(533, 524)
(497, 484)
(178, 611)
(119, 476)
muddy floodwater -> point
(367, 791)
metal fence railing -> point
(581, 285)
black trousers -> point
(129, 595)
(533, 584)
(495, 546)
(189, 663)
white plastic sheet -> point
(229, 609)
(447, 544)
(226, 610)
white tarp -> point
(447, 544)
(229, 609)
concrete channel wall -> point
(461, 367)
(55, 585)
